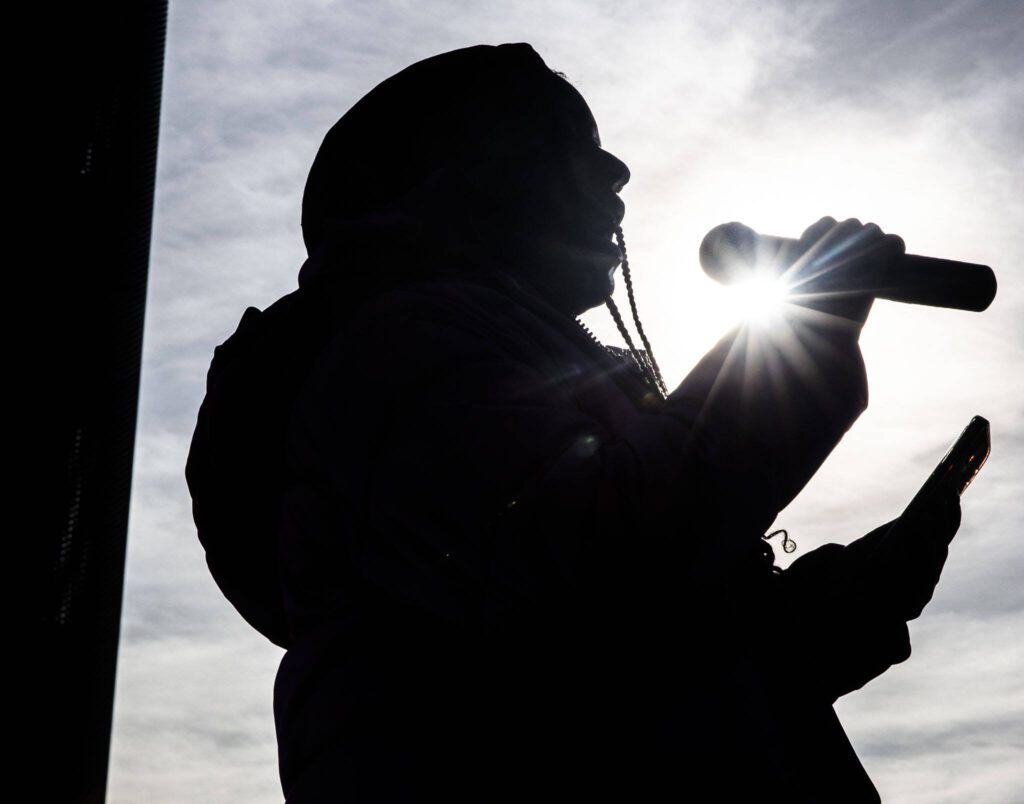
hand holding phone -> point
(908, 558)
(960, 465)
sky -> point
(908, 114)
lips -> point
(605, 221)
(620, 210)
(601, 241)
(597, 226)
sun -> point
(758, 301)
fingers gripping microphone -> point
(729, 252)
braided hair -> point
(650, 365)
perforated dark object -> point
(102, 90)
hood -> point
(237, 459)
(236, 463)
(371, 220)
(425, 118)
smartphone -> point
(963, 461)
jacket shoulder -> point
(404, 333)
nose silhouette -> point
(617, 170)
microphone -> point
(730, 252)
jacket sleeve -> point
(790, 393)
(837, 635)
(844, 610)
(476, 483)
(847, 607)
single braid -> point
(659, 380)
(614, 310)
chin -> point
(604, 288)
(595, 286)
(579, 277)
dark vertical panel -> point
(101, 101)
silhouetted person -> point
(505, 565)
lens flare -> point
(759, 300)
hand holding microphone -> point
(841, 267)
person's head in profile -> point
(481, 158)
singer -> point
(508, 563)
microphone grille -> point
(727, 252)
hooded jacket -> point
(504, 567)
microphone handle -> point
(941, 283)
(932, 281)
